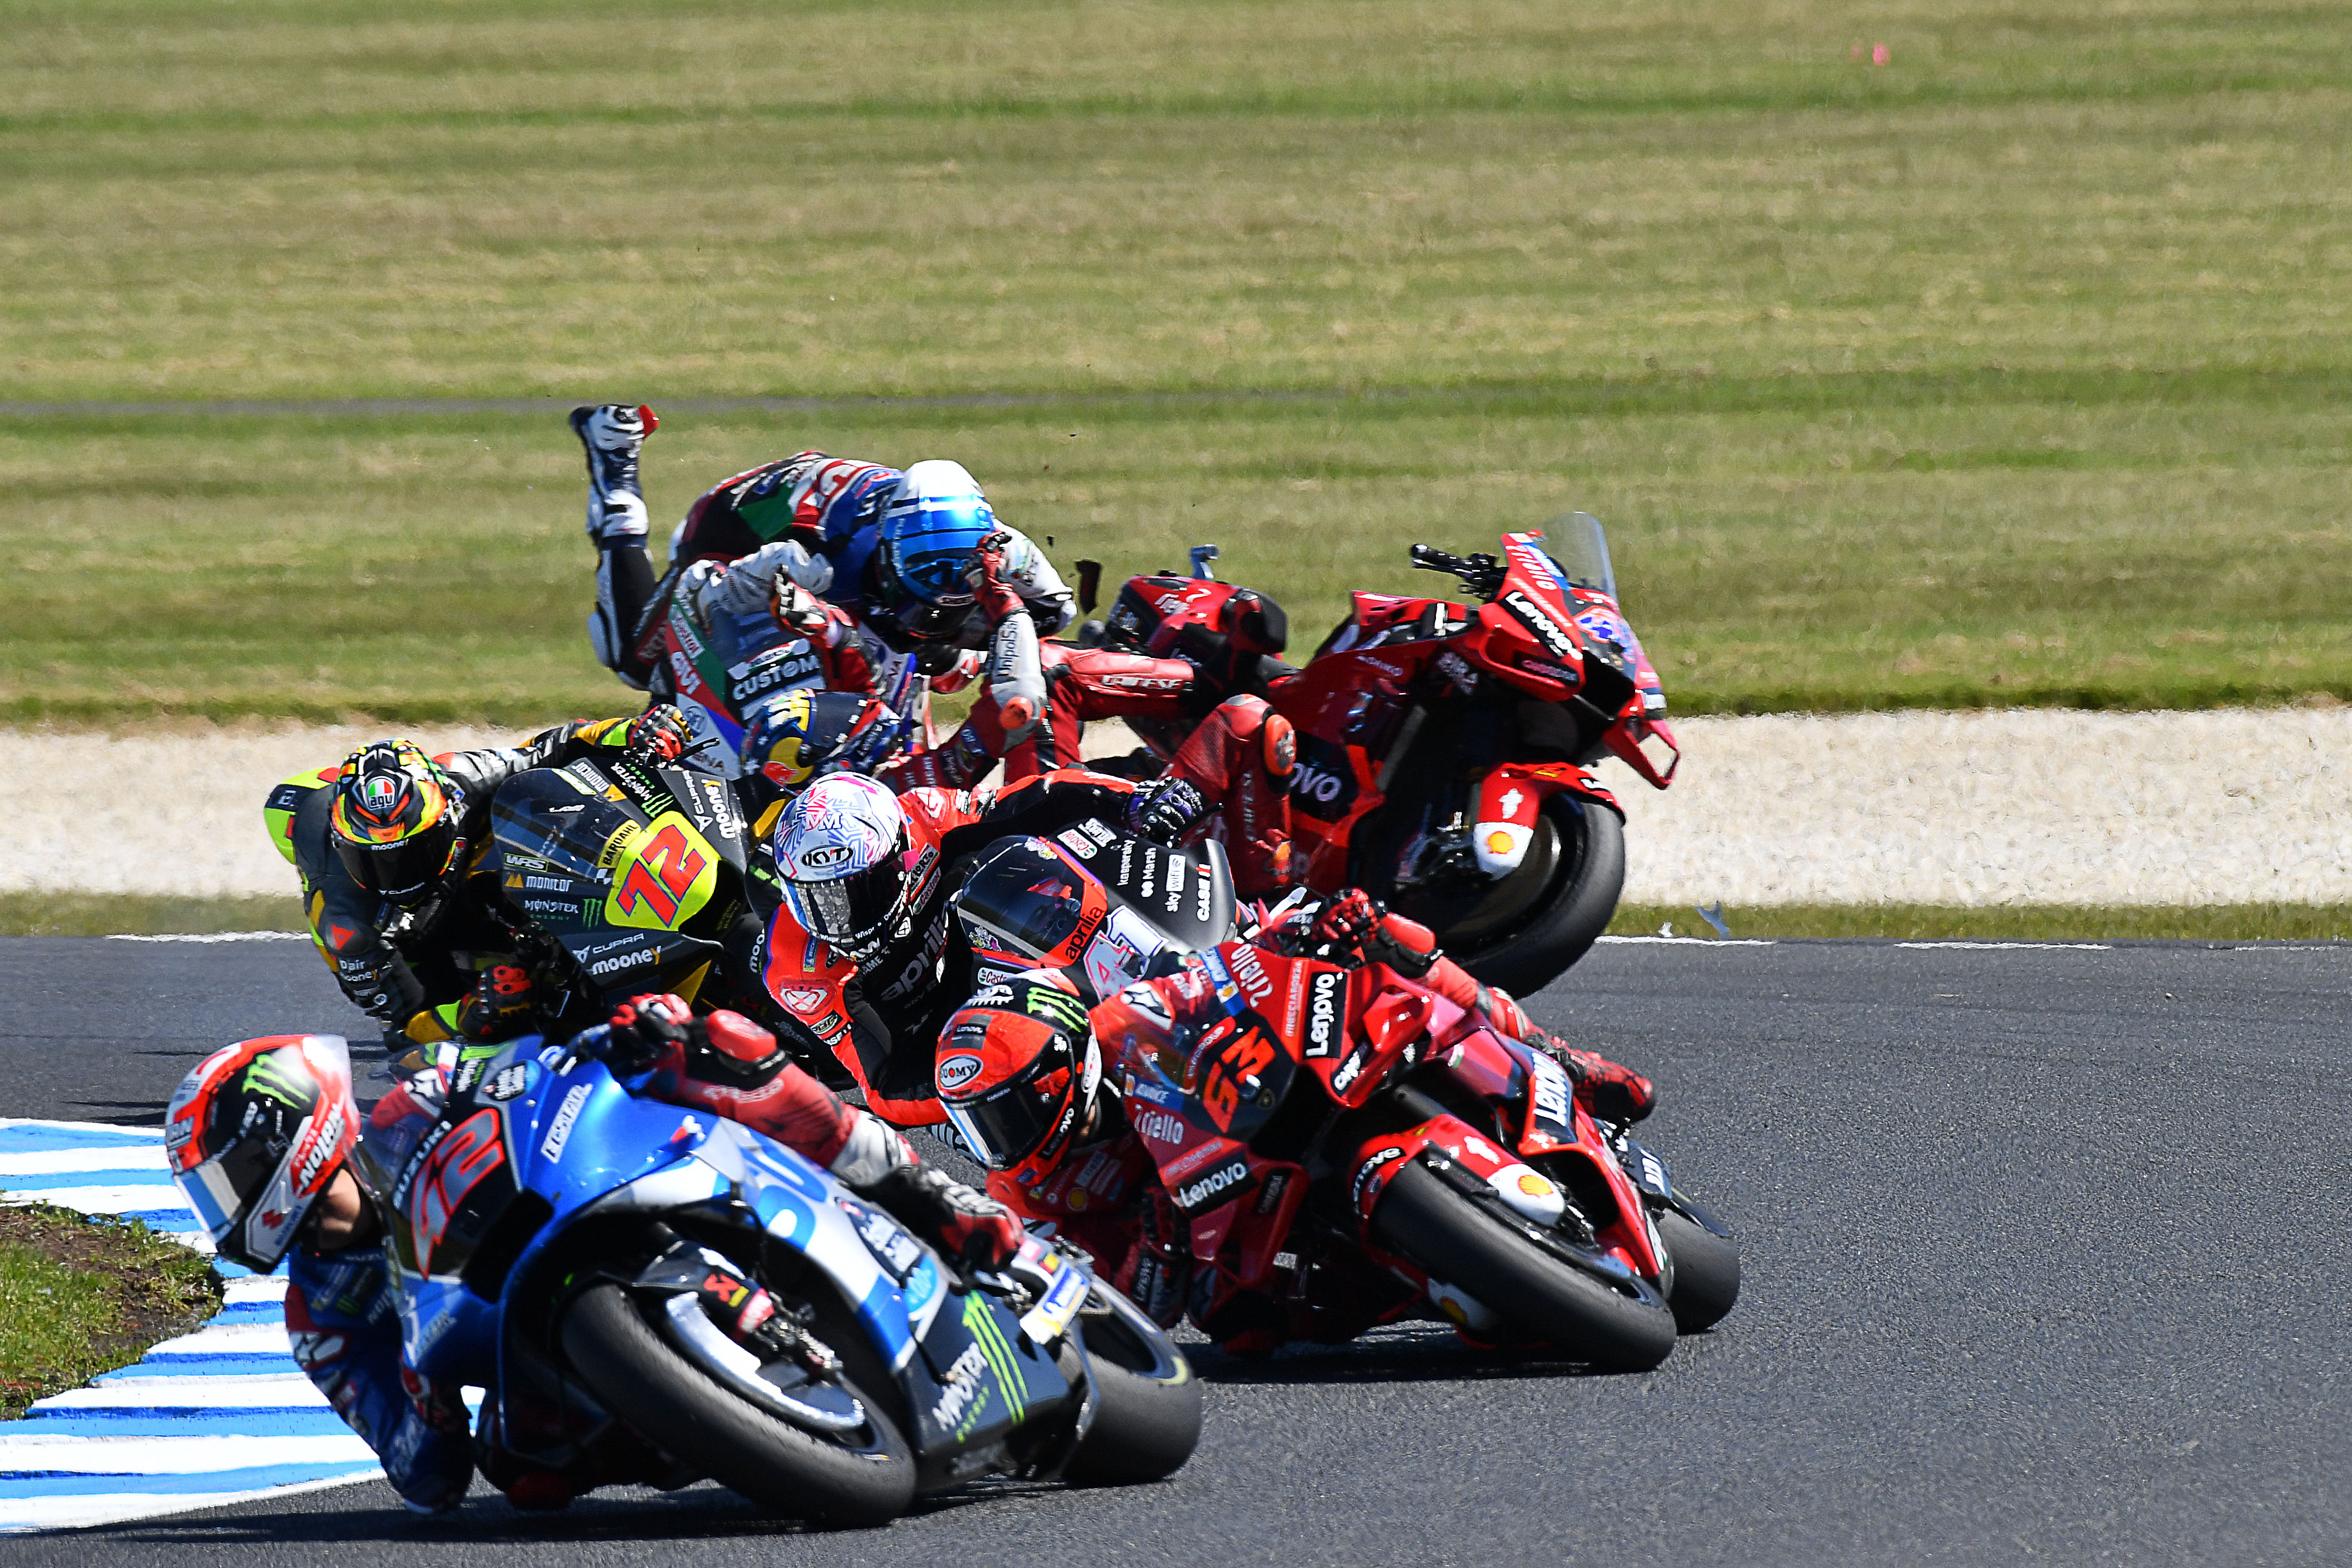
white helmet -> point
(841, 851)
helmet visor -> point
(403, 873)
(1013, 1122)
(931, 545)
(851, 915)
(928, 623)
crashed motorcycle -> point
(656, 1295)
(1445, 752)
(1348, 1147)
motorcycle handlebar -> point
(1481, 574)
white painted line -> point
(69, 1513)
(107, 1199)
(255, 1287)
(218, 936)
(1696, 941)
(236, 1339)
(175, 1455)
(2019, 946)
(270, 1392)
(64, 1162)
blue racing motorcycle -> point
(655, 1294)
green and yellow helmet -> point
(395, 820)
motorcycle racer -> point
(914, 562)
(383, 846)
(267, 1143)
(1021, 1077)
(864, 955)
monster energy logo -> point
(1057, 1007)
(980, 1321)
(272, 1076)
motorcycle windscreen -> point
(1186, 894)
(558, 817)
(1027, 901)
(1579, 546)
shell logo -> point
(1499, 842)
(1535, 1186)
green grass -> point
(82, 1296)
(2030, 921)
(2013, 371)
(139, 915)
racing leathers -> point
(794, 540)
(342, 1309)
(882, 1019)
(443, 969)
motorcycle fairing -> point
(1095, 903)
(617, 862)
(1509, 799)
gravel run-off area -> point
(2022, 807)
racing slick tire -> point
(1544, 917)
(1707, 1270)
(1147, 1400)
(1613, 1325)
(865, 1478)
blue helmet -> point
(929, 530)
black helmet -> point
(395, 820)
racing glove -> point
(657, 735)
(1163, 810)
(642, 1032)
(996, 598)
(970, 1226)
(1345, 923)
(498, 1007)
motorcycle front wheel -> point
(1147, 1410)
(865, 1477)
(1707, 1270)
(1614, 1326)
(1544, 917)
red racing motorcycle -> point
(1348, 1147)
(1445, 752)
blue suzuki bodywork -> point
(534, 1142)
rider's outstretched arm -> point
(729, 1065)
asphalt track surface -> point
(2046, 1261)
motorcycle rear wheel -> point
(1523, 939)
(639, 1378)
(1462, 1242)
(1707, 1270)
(1147, 1416)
